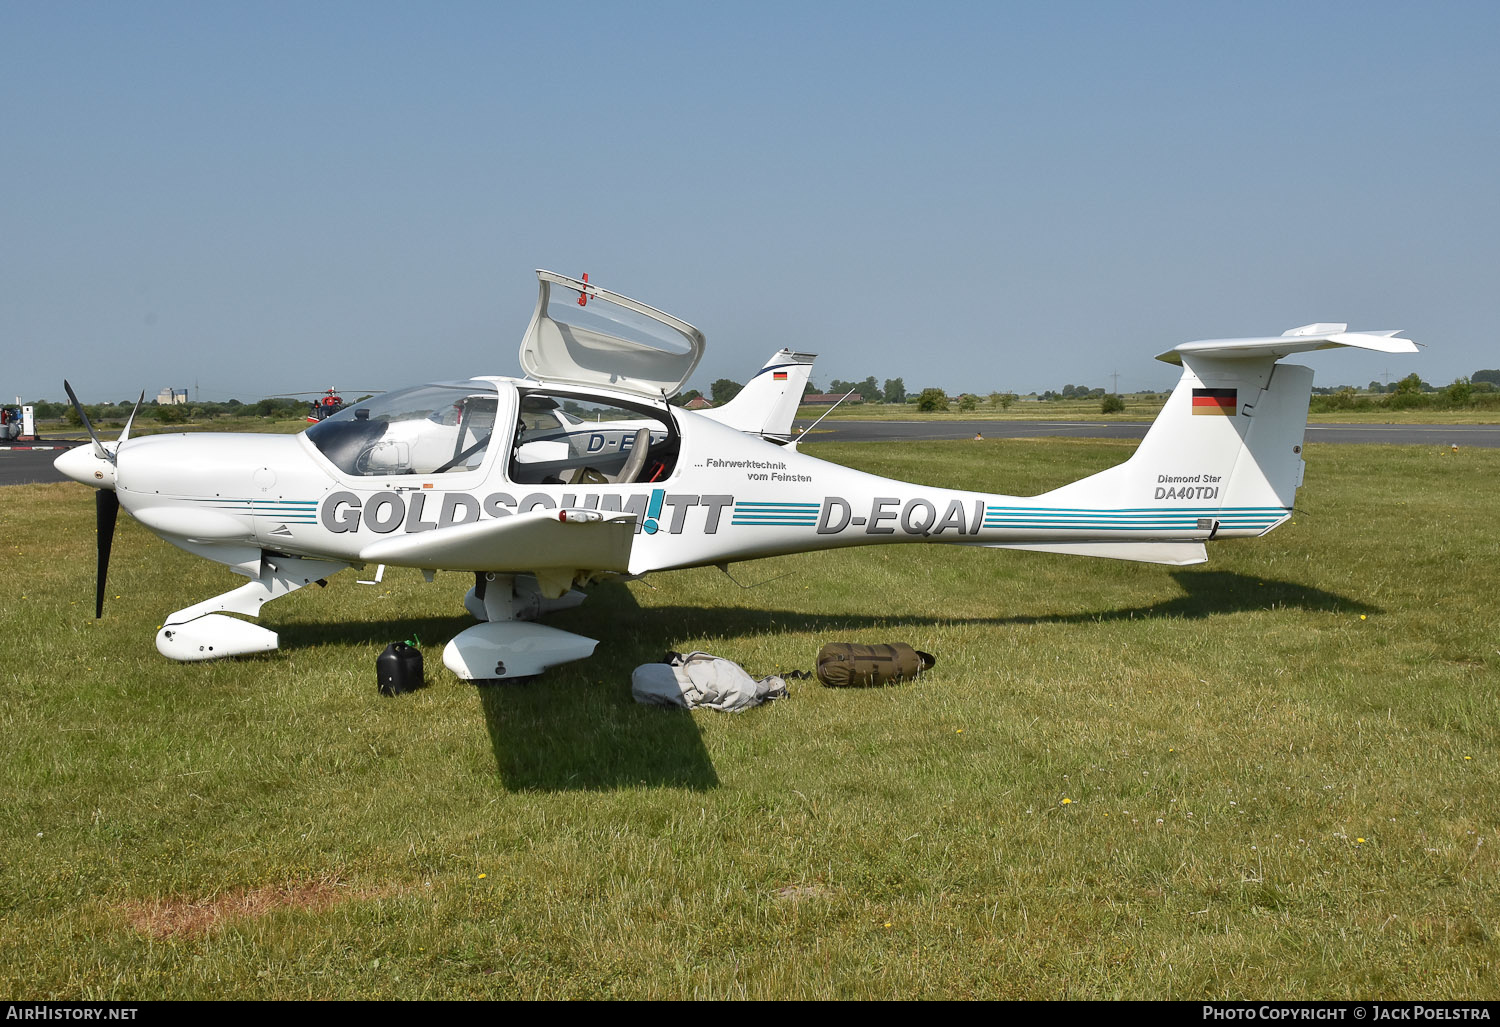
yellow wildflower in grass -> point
(483, 876)
(1359, 841)
(1066, 801)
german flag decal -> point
(1214, 401)
(778, 376)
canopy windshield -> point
(610, 341)
(426, 430)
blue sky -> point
(285, 196)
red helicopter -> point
(330, 403)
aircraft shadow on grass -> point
(578, 728)
(1204, 594)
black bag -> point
(846, 665)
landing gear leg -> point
(527, 601)
(202, 632)
(505, 646)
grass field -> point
(1137, 408)
(111, 429)
(1269, 776)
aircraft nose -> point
(83, 464)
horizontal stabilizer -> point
(1177, 554)
(538, 540)
(1298, 340)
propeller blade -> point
(131, 420)
(99, 450)
(106, 509)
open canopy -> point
(581, 334)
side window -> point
(474, 418)
(570, 440)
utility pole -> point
(1115, 375)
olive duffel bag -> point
(846, 665)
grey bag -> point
(702, 679)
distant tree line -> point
(893, 391)
(1479, 391)
(869, 390)
(275, 408)
(1075, 392)
(1481, 382)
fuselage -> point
(720, 495)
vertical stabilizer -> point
(1227, 446)
(768, 403)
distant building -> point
(697, 403)
(171, 397)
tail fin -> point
(768, 403)
(1227, 447)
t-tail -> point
(1223, 459)
(768, 403)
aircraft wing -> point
(526, 543)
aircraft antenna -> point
(830, 410)
(724, 567)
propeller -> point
(106, 502)
(83, 415)
(106, 510)
(125, 434)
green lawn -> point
(110, 429)
(1136, 409)
(1269, 776)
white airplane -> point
(502, 478)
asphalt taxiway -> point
(1485, 435)
(24, 462)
